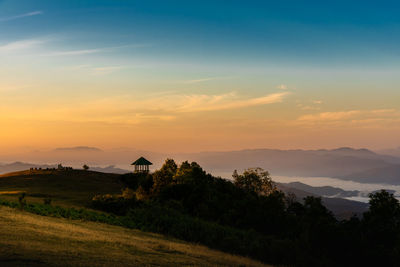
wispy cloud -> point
(73, 52)
(128, 110)
(29, 14)
(94, 70)
(282, 87)
(351, 117)
(308, 107)
(105, 70)
(197, 103)
(181, 103)
(76, 67)
(202, 80)
(81, 52)
(41, 47)
(20, 45)
(330, 116)
(313, 105)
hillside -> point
(341, 208)
(183, 202)
(71, 187)
(77, 187)
(28, 239)
(21, 166)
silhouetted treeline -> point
(250, 217)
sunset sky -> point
(186, 76)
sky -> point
(186, 76)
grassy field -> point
(31, 240)
(66, 187)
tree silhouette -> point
(254, 180)
(164, 176)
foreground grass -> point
(71, 192)
(30, 240)
(153, 218)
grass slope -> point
(31, 240)
(65, 187)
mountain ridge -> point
(343, 163)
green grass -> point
(30, 240)
(71, 192)
(72, 188)
(153, 218)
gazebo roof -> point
(142, 161)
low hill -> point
(31, 240)
(326, 191)
(341, 208)
(77, 187)
(72, 187)
(21, 166)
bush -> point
(47, 201)
(22, 201)
(113, 204)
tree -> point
(190, 173)
(385, 206)
(254, 180)
(164, 176)
(382, 220)
(85, 167)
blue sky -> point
(280, 32)
(335, 63)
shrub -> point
(22, 201)
(113, 204)
(47, 201)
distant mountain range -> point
(388, 175)
(78, 149)
(393, 151)
(346, 163)
(360, 165)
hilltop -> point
(67, 187)
(22, 166)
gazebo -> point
(142, 165)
